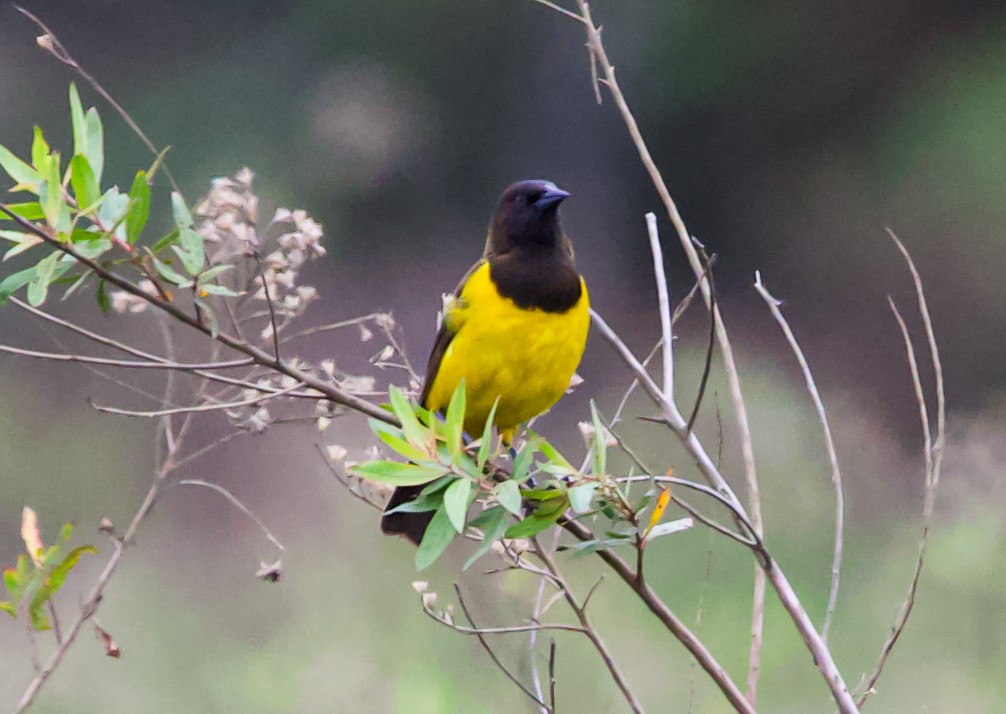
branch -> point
(237, 504)
(829, 442)
(933, 452)
(664, 304)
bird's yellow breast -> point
(525, 357)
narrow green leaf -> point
(50, 191)
(9, 608)
(438, 485)
(493, 523)
(555, 458)
(393, 438)
(171, 275)
(38, 288)
(215, 271)
(600, 442)
(90, 245)
(19, 170)
(95, 143)
(14, 282)
(29, 211)
(421, 504)
(39, 620)
(669, 527)
(413, 430)
(581, 496)
(180, 212)
(438, 536)
(82, 179)
(454, 421)
(546, 515)
(192, 252)
(39, 149)
(139, 207)
(166, 241)
(58, 576)
(104, 301)
(522, 464)
(218, 290)
(488, 444)
(79, 123)
(508, 495)
(456, 500)
(397, 474)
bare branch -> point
(933, 452)
(257, 399)
(664, 304)
(237, 504)
(829, 443)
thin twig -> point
(257, 399)
(933, 452)
(58, 50)
(492, 655)
(237, 504)
(829, 443)
(596, 47)
(664, 305)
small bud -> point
(45, 42)
(429, 600)
(336, 452)
(323, 423)
(365, 334)
(270, 572)
(106, 526)
(420, 586)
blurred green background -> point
(790, 133)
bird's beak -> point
(552, 197)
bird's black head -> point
(527, 216)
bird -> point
(515, 329)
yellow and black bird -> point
(515, 329)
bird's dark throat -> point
(543, 279)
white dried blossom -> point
(123, 301)
(328, 367)
(358, 384)
(323, 423)
(365, 333)
(587, 432)
(385, 321)
(429, 600)
(336, 452)
(420, 586)
(373, 452)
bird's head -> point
(527, 217)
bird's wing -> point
(448, 329)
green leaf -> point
(45, 271)
(393, 438)
(113, 207)
(438, 536)
(104, 301)
(170, 274)
(65, 533)
(91, 245)
(85, 188)
(456, 501)
(493, 523)
(39, 620)
(170, 239)
(19, 170)
(14, 282)
(546, 515)
(669, 527)
(397, 474)
(438, 485)
(79, 123)
(508, 495)
(9, 608)
(411, 427)
(192, 252)
(180, 212)
(421, 504)
(95, 143)
(488, 443)
(218, 290)
(29, 211)
(50, 191)
(556, 459)
(581, 496)
(216, 270)
(522, 464)
(58, 576)
(139, 207)
(39, 149)
(454, 421)
(600, 442)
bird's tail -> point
(404, 523)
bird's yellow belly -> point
(525, 357)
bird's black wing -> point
(443, 340)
